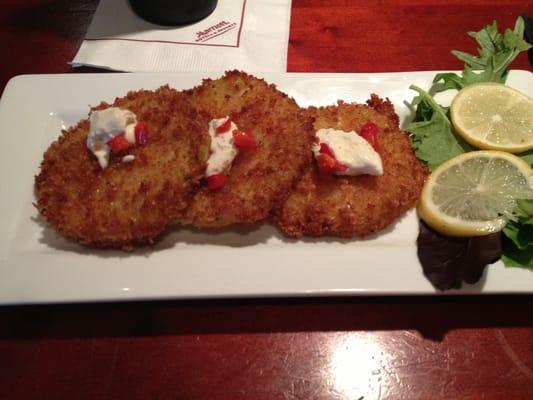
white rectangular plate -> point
(38, 266)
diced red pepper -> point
(325, 149)
(225, 126)
(141, 133)
(340, 167)
(118, 143)
(328, 164)
(369, 132)
(244, 140)
(215, 182)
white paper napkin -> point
(251, 35)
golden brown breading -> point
(233, 91)
(349, 206)
(126, 203)
(261, 179)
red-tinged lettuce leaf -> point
(447, 261)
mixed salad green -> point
(435, 141)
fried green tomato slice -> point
(355, 206)
(130, 203)
(260, 179)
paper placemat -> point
(251, 35)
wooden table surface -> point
(343, 348)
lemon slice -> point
(493, 116)
(474, 193)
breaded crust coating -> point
(348, 206)
(260, 179)
(126, 203)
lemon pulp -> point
(474, 193)
(494, 116)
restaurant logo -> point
(214, 31)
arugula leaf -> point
(432, 136)
(497, 51)
(526, 208)
(447, 80)
(527, 156)
(514, 257)
(520, 234)
(518, 259)
(518, 246)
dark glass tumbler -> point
(173, 12)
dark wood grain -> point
(371, 348)
(380, 36)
